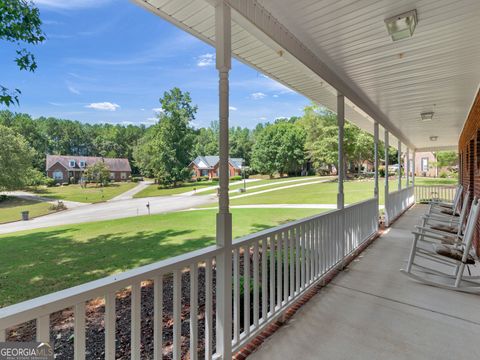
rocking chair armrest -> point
(433, 231)
(441, 218)
(429, 236)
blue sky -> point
(110, 61)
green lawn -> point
(434, 181)
(10, 209)
(91, 194)
(271, 182)
(155, 190)
(34, 263)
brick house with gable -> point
(64, 168)
(208, 166)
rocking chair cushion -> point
(450, 212)
(454, 254)
(450, 240)
(446, 228)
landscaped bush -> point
(3, 197)
(443, 174)
(235, 178)
(215, 178)
(381, 171)
(137, 178)
(202, 178)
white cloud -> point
(71, 4)
(275, 96)
(281, 118)
(206, 60)
(263, 118)
(73, 89)
(108, 106)
(158, 110)
(150, 121)
(232, 108)
(258, 95)
(142, 109)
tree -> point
(206, 140)
(166, 149)
(19, 23)
(97, 173)
(241, 143)
(279, 147)
(446, 158)
(15, 160)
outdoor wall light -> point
(433, 138)
(402, 26)
(427, 116)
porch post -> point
(386, 177)
(341, 166)
(414, 153)
(407, 156)
(224, 217)
(399, 165)
(375, 144)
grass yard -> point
(154, 190)
(271, 182)
(91, 194)
(435, 181)
(10, 209)
(37, 262)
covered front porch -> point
(372, 311)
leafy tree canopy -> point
(166, 150)
(20, 24)
(15, 160)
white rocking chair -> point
(456, 256)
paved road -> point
(110, 210)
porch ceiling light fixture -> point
(427, 116)
(433, 138)
(402, 26)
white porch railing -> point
(397, 202)
(271, 270)
(424, 193)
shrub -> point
(381, 171)
(58, 206)
(235, 178)
(137, 178)
(202, 178)
(215, 178)
(443, 174)
(3, 197)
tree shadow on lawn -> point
(37, 264)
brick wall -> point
(469, 151)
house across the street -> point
(68, 168)
(208, 166)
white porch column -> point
(407, 156)
(414, 153)
(399, 157)
(375, 151)
(224, 218)
(386, 177)
(341, 167)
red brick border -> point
(255, 343)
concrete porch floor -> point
(372, 311)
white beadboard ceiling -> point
(438, 69)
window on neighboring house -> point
(204, 172)
(71, 163)
(112, 175)
(82, 164)
(123, 175)
(424, 164)
(58, 175)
